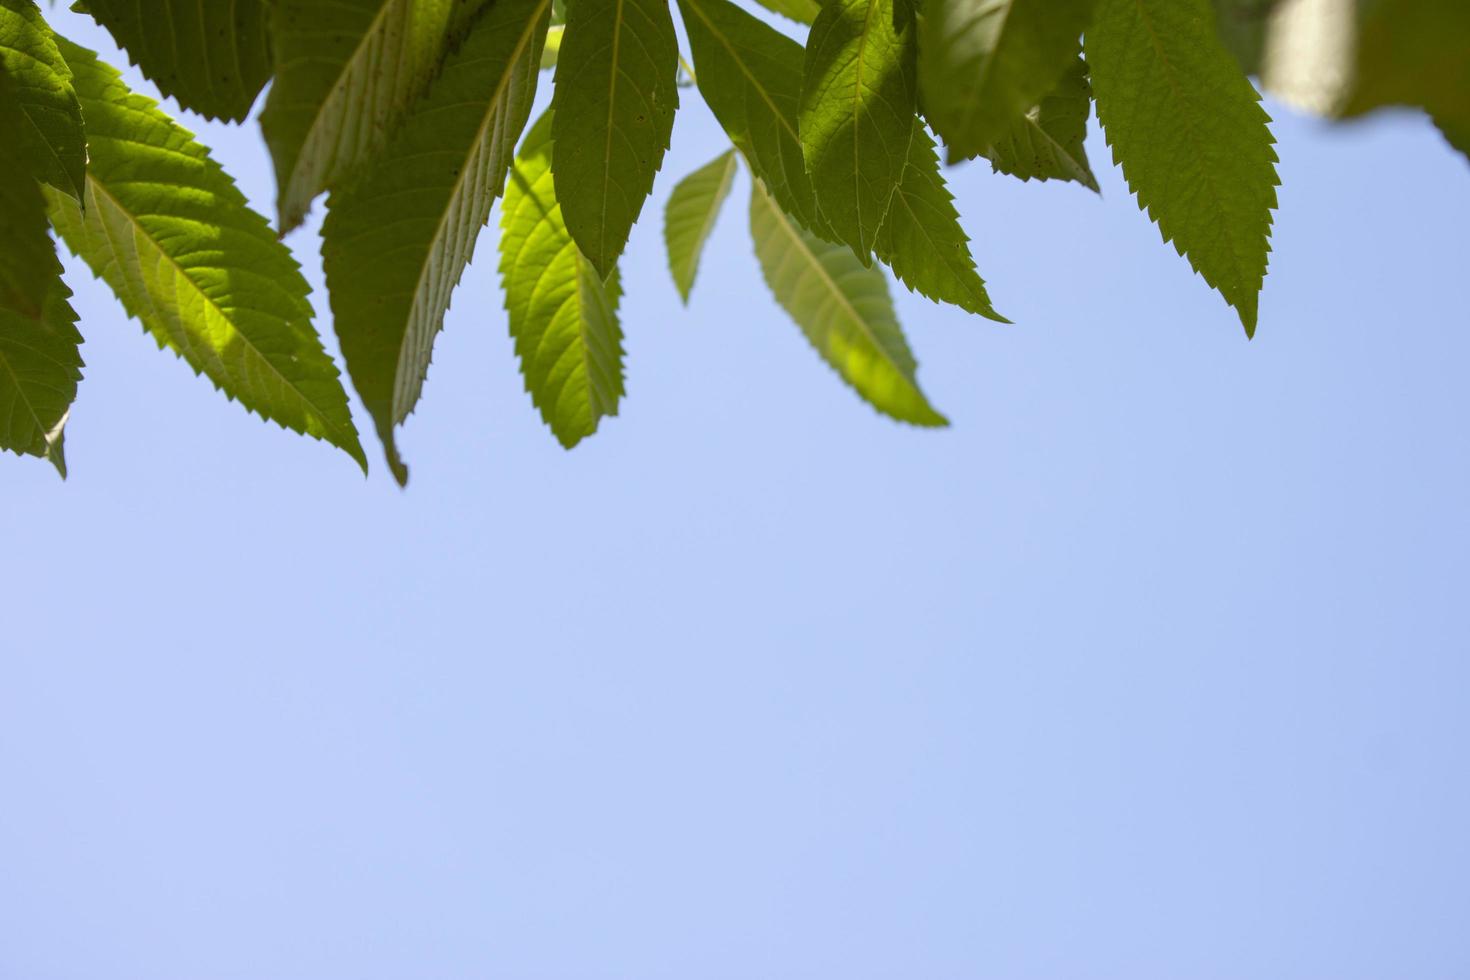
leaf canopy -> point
(616, 92)
(563, 314)
(174, 238)
(397, 240)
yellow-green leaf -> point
(690, 216)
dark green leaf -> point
(1188, 130)
(616, 92)
(396, 241)
(858, 100)
(27, 255)
(1047, 142)
(986, 63)
(690, 216)
(562, 316)
(39, 370)
(842, 307)
(922, 240)
(213, 57)
(50, 132)
(168, 230)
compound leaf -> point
(213, 57)
(690, 216)
(49, 127)
(1188, 129)
(168, 230)
(987, 62)
(616, 92)
(858, 100)
(396, 241)
(40, 366)
(563, 314)
(843, 308)
(922, 241)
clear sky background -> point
(1154, 665)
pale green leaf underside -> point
(397, 240)
(801, 11)
(1188, 129)
(750, 76)
(1047, 142)
(39, 369)
(986, 63)
(616, 92)
(49, 133)
(27, 256)
(922, 240)
(562, 317)
(690, 215)
(213, 57)
(168, 230)
(858, 99)
(346, 72)
(843, 308)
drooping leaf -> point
(213, 57)
(39, 369)
(346, 72)
(168, 230)
(750, 76)
(986, 63)
(1188, 130)
(801, 11)
(27, 255)
(396, 241)
(616, 92)
(50, 134)
(563, 317)
(1047, 142)
(922, 241)
(858, 100)
(843, 308)
(690, 216)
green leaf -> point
(1188, 130)
(552, 48)
(50, 131)
(922, 241)
(986, 63)
(397, 240)
(801, 11)
(1047, 142)
(213, 57)
(750, 76)
(562, 316)
(858, 100)
(346, 72)
(616, 92)
(690, 216)
(27, 255)
(168, 230)
(842, 307)
(39, 369)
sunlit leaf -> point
(49, 129)
(690, 216)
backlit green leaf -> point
(562, 317)
(1188, 130)
(346, 72)
(616, 92)
(801, 11)
(922, 241)
(986, 63)
(50, 132)
(39, 370)
(168, 230)
(396, 241)
(843, 308)
(1047, 142)
(858, 100)
(213, 57)
(750, 76)
(690, 216)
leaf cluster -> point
(412, 118)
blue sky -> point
(1153, 665)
